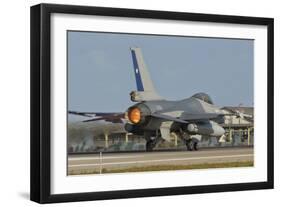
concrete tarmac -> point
(95, 162)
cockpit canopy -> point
(204, 97)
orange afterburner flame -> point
(134, 115)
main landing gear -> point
(150, 144)
(152, 141)
(191, 144)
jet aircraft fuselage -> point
(156, 118)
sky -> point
(101, 74)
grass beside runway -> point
(164, 168)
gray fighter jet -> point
(156, 118)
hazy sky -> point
(101, 76)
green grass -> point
(165, 168)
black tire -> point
(189, 145)
(195, 146)
(149, 146)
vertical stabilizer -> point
(145, 87)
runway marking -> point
(133, 156)
(103, 158)
(165, 160)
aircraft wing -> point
(200, 117)
(169, 118)
(186, 118)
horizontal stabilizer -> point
(114, 117)
(109, 118)
(86, 114)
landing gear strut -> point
(151, 141)
(150, 144)
(191, 144)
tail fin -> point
(145, 86)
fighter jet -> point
(157, 118)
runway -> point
(96, 163)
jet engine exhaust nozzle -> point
(134, 115)
(138, 114)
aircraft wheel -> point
(190, 145)
(149, 146)
(195, 145)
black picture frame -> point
(41, 96)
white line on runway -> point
(165, 160)
(134, 156)
(103, 157)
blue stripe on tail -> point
(137, 72)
